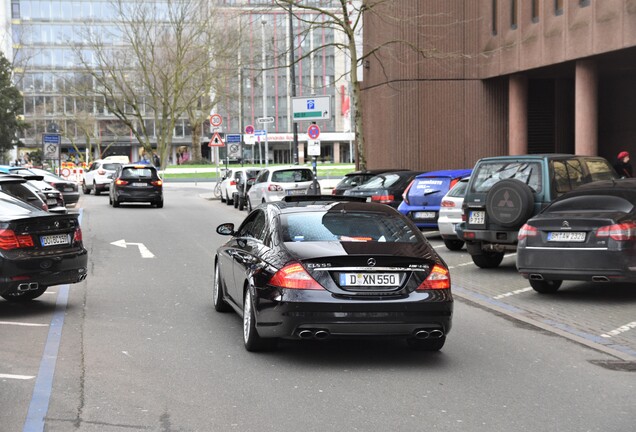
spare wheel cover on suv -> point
(509, 203)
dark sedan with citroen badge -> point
(319, 267)
(588, 234)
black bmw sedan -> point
(37, 249)
(588, 234)
(312, 267)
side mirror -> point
(225, 229)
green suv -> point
(505, 191)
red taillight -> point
(447, 203)
(120, 182)
(294, 276)
(333, 191)
(382, 198)
(469, 235)
(453, 183)
(527, 231)
(157, 183)
(274, 188)
(620, 232)
(405, 195)
(101, 172)
(9, 240)
(232, 182)
(77, 235)
(438, 278)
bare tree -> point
(346, 18)
(152, 69)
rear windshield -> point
(110, 166)
(10, 207)
(346, 227)
(459, 190)
(353, 180)
(292, 176)
(429, 186)
(137, 172)
(487, 174)
(381, 181)
(591, 203)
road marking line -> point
(23, 324)
(18, 377)
(511, 293)
(622, 329)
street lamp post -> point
(263, 22)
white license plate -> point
(51, 201)
(69, 189)
(567, 236)
(139, 184)
(369, 279)
(424, 215)
(55, 240)
(477, 217)
(296, 191)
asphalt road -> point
(138, 346)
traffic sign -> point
(313, 148)
(311, 108)
(265, 119)
(233, 138)
(216, 120)
(249, 129)
(313, 131)
(260, 132)
(216, 141)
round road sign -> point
(249, 129)
(313, 131)
(216, 120)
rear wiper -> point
(431, 192)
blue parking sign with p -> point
(311, 104)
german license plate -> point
(296, 191)
(567, 236)
(477, 217)
(139, 184)
(51, 201)
(369, 279)
(55, 240)
(69, 189)
(424, 215)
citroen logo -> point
(371, 262)
(565, 224)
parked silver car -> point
(272, 184)
(450, 214)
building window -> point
(513, 14)
(494, 17)
(583, 3)
(15, 9)
(535, 11)
(558, 7)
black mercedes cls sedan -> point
(588, 234)
(312, 267)
(37, 249)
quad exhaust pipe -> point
(31, 286)
(428, 334)
(317, 334)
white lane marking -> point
(511, 293)
(622, 329)
(439, 246)
(25, 324)
(430, 233)
(19, 377)
(143, 250)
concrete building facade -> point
(493, 77)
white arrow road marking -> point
(20, 377)
(143, 250)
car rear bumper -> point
(46, 271)
(286, 313)
(139, 196)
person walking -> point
(622, 165)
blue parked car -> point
(423, 197)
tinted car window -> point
(293, 175)
(459, 190)
(488, 174)
(600, 170)
(262, 177)
(13, 207)
(253, 226)
(345, 227)
(353, 179)
(138, 172)
(381, 181)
